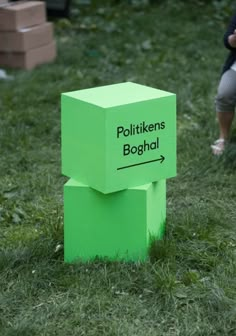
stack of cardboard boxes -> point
(26, 38)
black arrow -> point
(161, 159)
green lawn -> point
(188, 287)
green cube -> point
(117, 226)
(118, 136)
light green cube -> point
(118, 136)
(117, 226)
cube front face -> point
(115, 226)
(129, 132)
(141, 143)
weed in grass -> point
(190, 277)
(161, 250)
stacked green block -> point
(118, 136)
(118, 148)
(119, 225)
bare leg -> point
(225, 106)
(225, 121)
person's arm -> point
(230, 35)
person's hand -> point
(232, 39)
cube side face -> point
(141, 143)
(110, 226)
(83, 141)
(156, 211)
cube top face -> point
(118, 94)
(112, 141)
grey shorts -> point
(226, 95)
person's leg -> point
(225, 120)
(225, 106)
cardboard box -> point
(26, 38)
(22, 14)
(3, 2)
(29, 59)
(118, 226)
(118, 136)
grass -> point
(188, 286)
